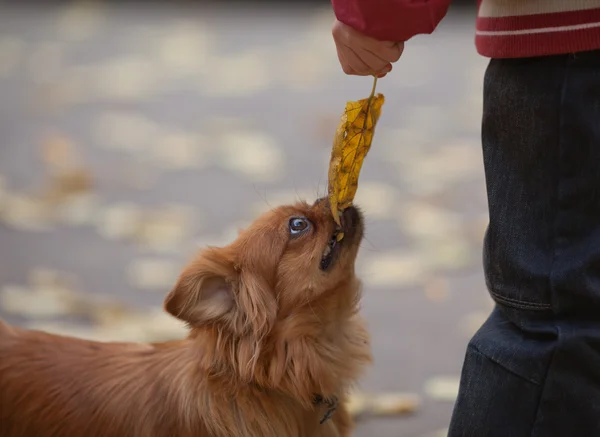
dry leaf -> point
(378, 199)
(58, 152)
(357, 404)
(224, 78)
(125, 130)
(253, 154)
(42, 277)
(78, 210)
(80, 20)
(25, 213)
(184, 50)
(163, 229)
(436, 289)
(119, 221)
(67, 176)
(351, 144)
(152, 274)
(394, 269)
(443, 388)
(106, 311)
(180, 150)
(439, 433)
(47, 301)
(448, 253)
(394, 404)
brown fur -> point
(268, 331)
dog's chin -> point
(352, 227)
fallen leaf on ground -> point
(223, 78)
(26, 213)
(164, 229)
(152, 274)
(80, 20)
(443, 388)
(351, 144)
(377, 199)
(424, 220)
(47, 301)
(184, 49)
(436, 289)
(67, 176)
(251, 153)
(439, 433)
(125, 78)
(79, 210)
(394, 269)
(394, 404)
(125, 130)
(119, 221)
(357, 404)
(160, 229)
(448, 253)
(180, 150)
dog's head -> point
(285, 261)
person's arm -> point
(391, 20)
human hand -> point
(361, 55)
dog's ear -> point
(205, 291)
(212, 290)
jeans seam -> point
(498, 363)
(515, 303)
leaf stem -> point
(370, 99)
(373, 89)
(367, 112)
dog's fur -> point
(269, 330)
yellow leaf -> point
(351, 144)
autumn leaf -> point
(351, 144)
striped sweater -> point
(505, 28)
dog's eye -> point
(298, 225)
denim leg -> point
(533, 369)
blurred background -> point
(134, 133)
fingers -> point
(361, 55)
(373, 62)
(384, 72)
(351, 63)
(361, 62)
(386, 50)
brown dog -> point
(275, 343)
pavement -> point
(132, 135)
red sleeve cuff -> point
(391, 20)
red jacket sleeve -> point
(391, 20)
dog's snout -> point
(351, 217)
(321, 200)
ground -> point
(133, 135)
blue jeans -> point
(533, 368)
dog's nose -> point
(351, 218)
(321, 200)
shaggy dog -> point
(275, 342)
